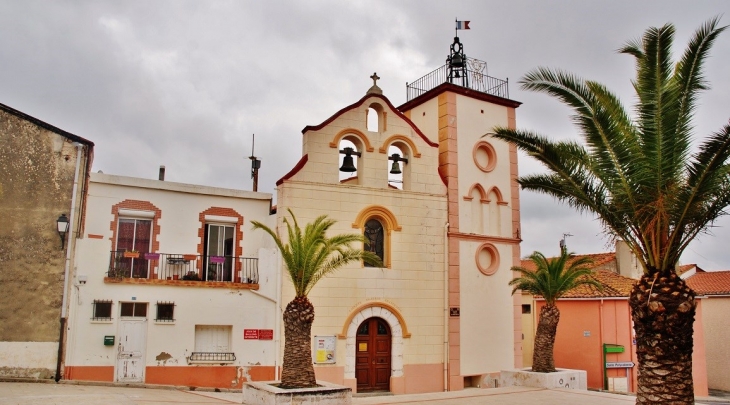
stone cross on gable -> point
(375, 89)
(375, 78)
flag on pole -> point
(462, 25)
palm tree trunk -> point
(297, 370)
(543, 360)
(663, 310)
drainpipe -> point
(66, 270)
(446, 307)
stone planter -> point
(562, 378)
(263, 393)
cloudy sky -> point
(185, 84)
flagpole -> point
(456, 31)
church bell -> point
(348, 164)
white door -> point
(130, 354)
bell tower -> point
(458, 105)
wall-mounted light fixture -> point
(62, 224)
(395, 169)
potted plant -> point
(191, 275)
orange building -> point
(595, 329)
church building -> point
(436, 198)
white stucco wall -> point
(487, 322)
(179, 224)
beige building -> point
(439, 315)
(714, 289)
(44, 177)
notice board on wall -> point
(324, 349)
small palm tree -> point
(551, 280)
(309, 256)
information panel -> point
(324, 349)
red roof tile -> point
(710, 282)
(603, 267)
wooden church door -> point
(372, 355)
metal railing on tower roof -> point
(476, 78)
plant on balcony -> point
(131, 254)
(551, 279)
(191, 275)
(309, 256)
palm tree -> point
(639, 176)
(551, 280)
(308, 257)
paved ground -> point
(12, 393)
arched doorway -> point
(372, 355)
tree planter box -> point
(562, 378)
(264, 393)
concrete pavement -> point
(14, 393)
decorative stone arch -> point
(387, 219)
(398, 331)
(335, 143)
(484, 155)
(498, 194)
(401, 138)
(482, 193)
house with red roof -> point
(595, 332)
(714, 289)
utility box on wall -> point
(108, 340)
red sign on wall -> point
(250, 333)
(266, 334)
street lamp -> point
(62, 224)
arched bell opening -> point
(399, 166)
(350, 151)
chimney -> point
(626, 263)
(162, 173)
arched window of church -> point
(374, 238)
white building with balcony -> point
(171, 286)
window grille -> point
(211, 357)
(165, 311)
(101, 310)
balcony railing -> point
(475, 79)
(171, 266)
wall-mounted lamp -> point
(395, 169)
(62, 224)
(348, 165)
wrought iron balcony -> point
(171, 266)
(476, 78)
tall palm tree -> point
(309, 256)
(551, 280)
(640, 176)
